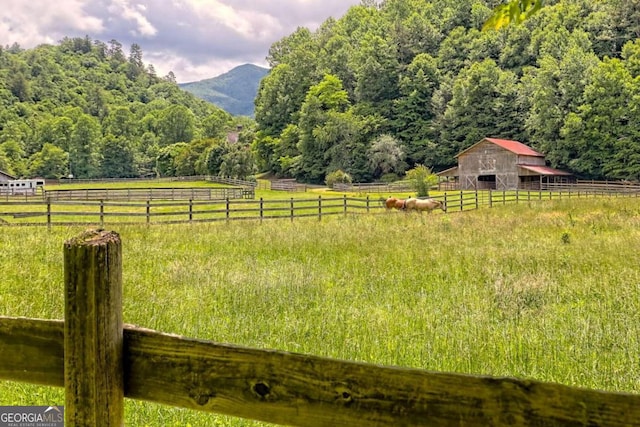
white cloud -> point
(133, 13)
(195, 39)
(33, 22)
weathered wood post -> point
(49, 213)
(93, 330)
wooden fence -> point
(151, 193)
(373, 187)
(286, 185)
(99, 361)
(101, 212)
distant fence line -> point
(94, 212)
(286, 185)
(373, 187)
(595, 186)
(152, 193)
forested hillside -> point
(85, 108)
(403, 82)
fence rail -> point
(99, 361)
(101, 212)
(373, 187)
(151, 193)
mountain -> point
(233, 91)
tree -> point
(166, 160)
(554, 90)
(14, 154)
(120, 122)
(51, 162)
(484, 103)
(216, 124)
(177, 124)
(413, 110)
(513, 12)
(279, 99)
(214, 156)
(85, 139)
(385, 156)
(238, 163)
(421, 179)
(192, 159)
(606, 124)
(322, 99)
(117, 158)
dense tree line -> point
(85, 108)
(399, 83)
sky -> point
(196, 39)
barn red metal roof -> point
(515, 147)
(544, 170)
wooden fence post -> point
(261, 209)
(93, 330)
(292, 209)
(190, 210)
(319, 208)
(48, 213)
(344, 203)
(148, 211)
(101, 213)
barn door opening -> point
(486, 182)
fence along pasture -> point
(93, 212)
(151, 193)
(99, 361)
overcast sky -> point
(196, 39)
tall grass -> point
(548, 290)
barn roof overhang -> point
(6, 175)
(449, 172)
(544, 170)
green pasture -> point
(547, 290)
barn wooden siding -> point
(487, 158)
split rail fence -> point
(100, 361)
(100, 212)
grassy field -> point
(548, 290)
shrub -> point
(421, 179)
(337, 177)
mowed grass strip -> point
(548, 290)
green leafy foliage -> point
(427, 75)
(421, 179)
(107, 113)
(513, 12)
(337, 177)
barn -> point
(502, 164)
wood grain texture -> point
(295, 389)
(93, 332)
